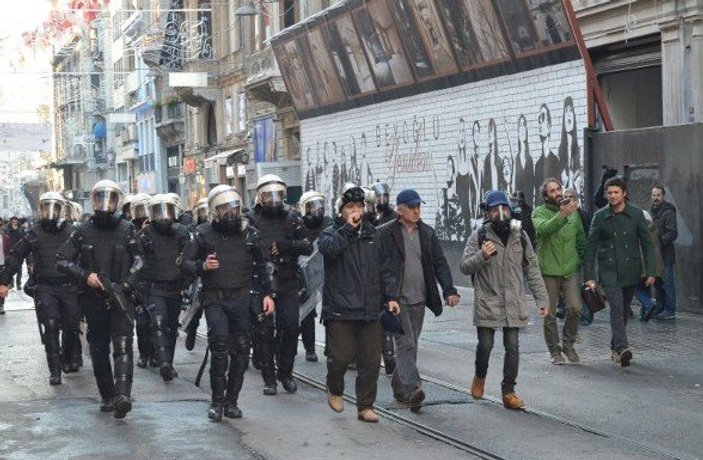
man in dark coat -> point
(357, 284)
(417, 263)
(664, 215)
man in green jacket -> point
(560, 240)
(618, 233)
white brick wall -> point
(407, 142)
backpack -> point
(523, 241)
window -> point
(172, 157)
(290, 13)
(234, 25)
(242, 116)
(228, 115)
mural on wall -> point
(362, 52)
(463, 158)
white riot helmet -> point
(175, 198)
(369, 200)
(76, 211)
(126, 204)
(139, 207)
(162, 211)
(105, 196)
(200, 211)
(382, 193)
(51, 206)
(271, 191)
(224, 203)
(311, 203)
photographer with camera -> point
(560, 242)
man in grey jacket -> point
(664, 215)
(496, 256)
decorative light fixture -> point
(248, 9)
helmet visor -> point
(140, 211)
(231, 208)
(51, 210)
(163, 211)
(271, 199)
(105, 200)
(201, 213)
(315, 208)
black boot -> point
(288, 346)
(218, 379)
(106, 387)
(71, 347)
(235, 377)
(124, 366)
(162, 344)
(53, 350)
(388, 348)
(307, 332)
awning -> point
(221, 158)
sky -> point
(24, 72)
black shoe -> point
(190, 340)
(107, 405)
(270, 389)
(625, 357)
(122, 406)
(311, 356)
(232, 411)
(166, 372)
(55, 379)
(142, 362)
(215, 412)
(289, 384)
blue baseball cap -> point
(409, 197)
(496, 198)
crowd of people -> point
(138, 261)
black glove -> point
(608, 173)
(283, 246)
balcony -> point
(132, 82)
(264, 82)
(170, 125)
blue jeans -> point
(644, 297)
(666, 291)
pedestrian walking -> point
(643, 293)
(560, 240)
(202, 216)
(15, 232)
(357, 283)
(618, 233)
(5, 248)
(664, 216)
(417, 262)
(496, 256)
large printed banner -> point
(362, 52)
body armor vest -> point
(110, 253)
(236, 261)
(160, 257)
(45, 246)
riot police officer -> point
(384, 214)
(312, 208)
(284, 238)
(201, 212)
(228, 257)
(139, 213)
(104, 257)
(163, 241)
(54, 293)
(125, 206)
(384, 211)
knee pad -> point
(240, 346)
(122, 345)
(51, 326)
(160, 323)
(219, 344)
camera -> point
(564, 201)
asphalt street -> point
(591, 410)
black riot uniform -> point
(54, 295)
(231, 297)
(161, 284)
(107, 245)
(193, 290)
(286, 229)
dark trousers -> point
(59, 312)
(348, 341)
(307, 331)
(511, 361)
(228, 322)
(619, 299)
(143, 320)
(105, 326)
(283, 345)
(164, 312)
